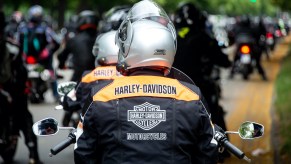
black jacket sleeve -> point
(62, 57)
(85, 148)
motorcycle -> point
(244, 62)
(248, 130)
(270, 41)
(67, 93)
(38, 80)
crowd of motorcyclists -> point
(88, 44)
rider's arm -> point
(207, 145)
(85, 148)
(62, 57)
(218, 56)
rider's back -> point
(149, 119)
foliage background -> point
(283, 103)
(61, 10)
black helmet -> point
(244, 20)
(48, 126)
(87, 19)
(188, 14)
(113, 18)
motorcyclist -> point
(8, 61)
(11, 28)
(112, 18)
(68, 32)
(8, 139)
(261, 32)
(22, 118)
(37, 39)
(197, 54)
(81, 45)
(244, 28)
(145, 117)
(105, 52)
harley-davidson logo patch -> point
(146, 115)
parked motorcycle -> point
(247, 130)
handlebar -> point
(62, 145)
(236, 151)
(233, 149)
(222, 139)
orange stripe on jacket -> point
(101, 73)
(154, 86)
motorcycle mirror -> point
(66, 87)
(47, 127)
(250, 130)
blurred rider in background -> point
(197, 54)
(12, 26)
(81, 45)
(112, 18)
(22, 116)
(244, 27)
(37, 39)
(105, 52)
(8, 139)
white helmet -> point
(105, 50)
(35, 13)
(146, 39)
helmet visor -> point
(145, 9)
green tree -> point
(283, 4)
(58, 9)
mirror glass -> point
(66, 87)
(250, 130)
(46, 127)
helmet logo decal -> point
(160, 52)
(146, 116)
